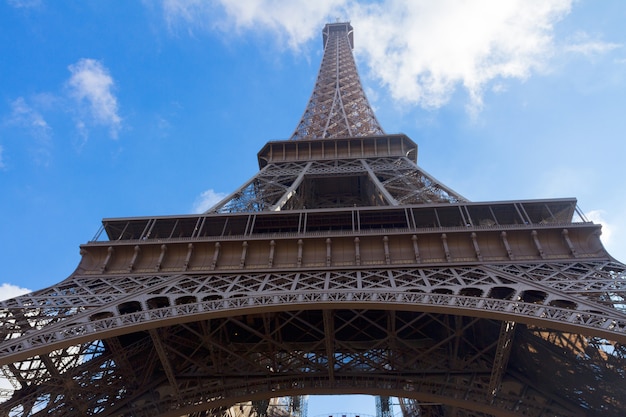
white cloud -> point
(206, 200)
(583, 44)
(598, 216)
(613, 226)
(23, 115)
(10, 291)
(421, 50)
(181, 10)
(28, 118)
(294, 21)
(298, 21)
(24, 4)
(91, 83)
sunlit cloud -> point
(206, 200)
(598, 216)
(613, 226)
(421, 51)
(10, 291)
(293, 22)
(92, 84)
(278, 16)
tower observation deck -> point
(341, 267)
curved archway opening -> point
(533, 296)
(564, 304)
(129, 307)
(502, 293)
(471, 292)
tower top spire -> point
(338, 106)
(344, 27)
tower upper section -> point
(338, 106)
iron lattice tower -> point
(338, 106)
(341, 267)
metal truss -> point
(193, 315)
(338, 106)
(340, 268)
(421, 333)
(298, 185)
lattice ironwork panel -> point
(337, 183)
(36, 320)
(432, 358)
(338, 106)
(398, 340)
(409, 184)
(264, 190)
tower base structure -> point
(341, 267)
(494, 308)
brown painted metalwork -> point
(341, 267)
(338, 106)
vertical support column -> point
(329, 339)
(300, 243)
(270, 261)
(537, 243)
(476, 247)
(569, 243)
(328, 252)
(104, 266)
(136, 250)
(501, 359)
(357, 251)
(244, 253)
(161, 257)
(386, 247)
(216, 255)
(444, 241)
(505, 241)
(165, 362)
(416, 249)
(188, 257)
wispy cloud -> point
(294, 22)
(30, 120)
(582, 43)
(278, 16)
(24, 4)
(91, 83)
(10, 291)
(88, 94)
(206, 200)
(186, 12)
(421, 50)
(25, 116)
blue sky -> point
(122, 108)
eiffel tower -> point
(341, 267)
